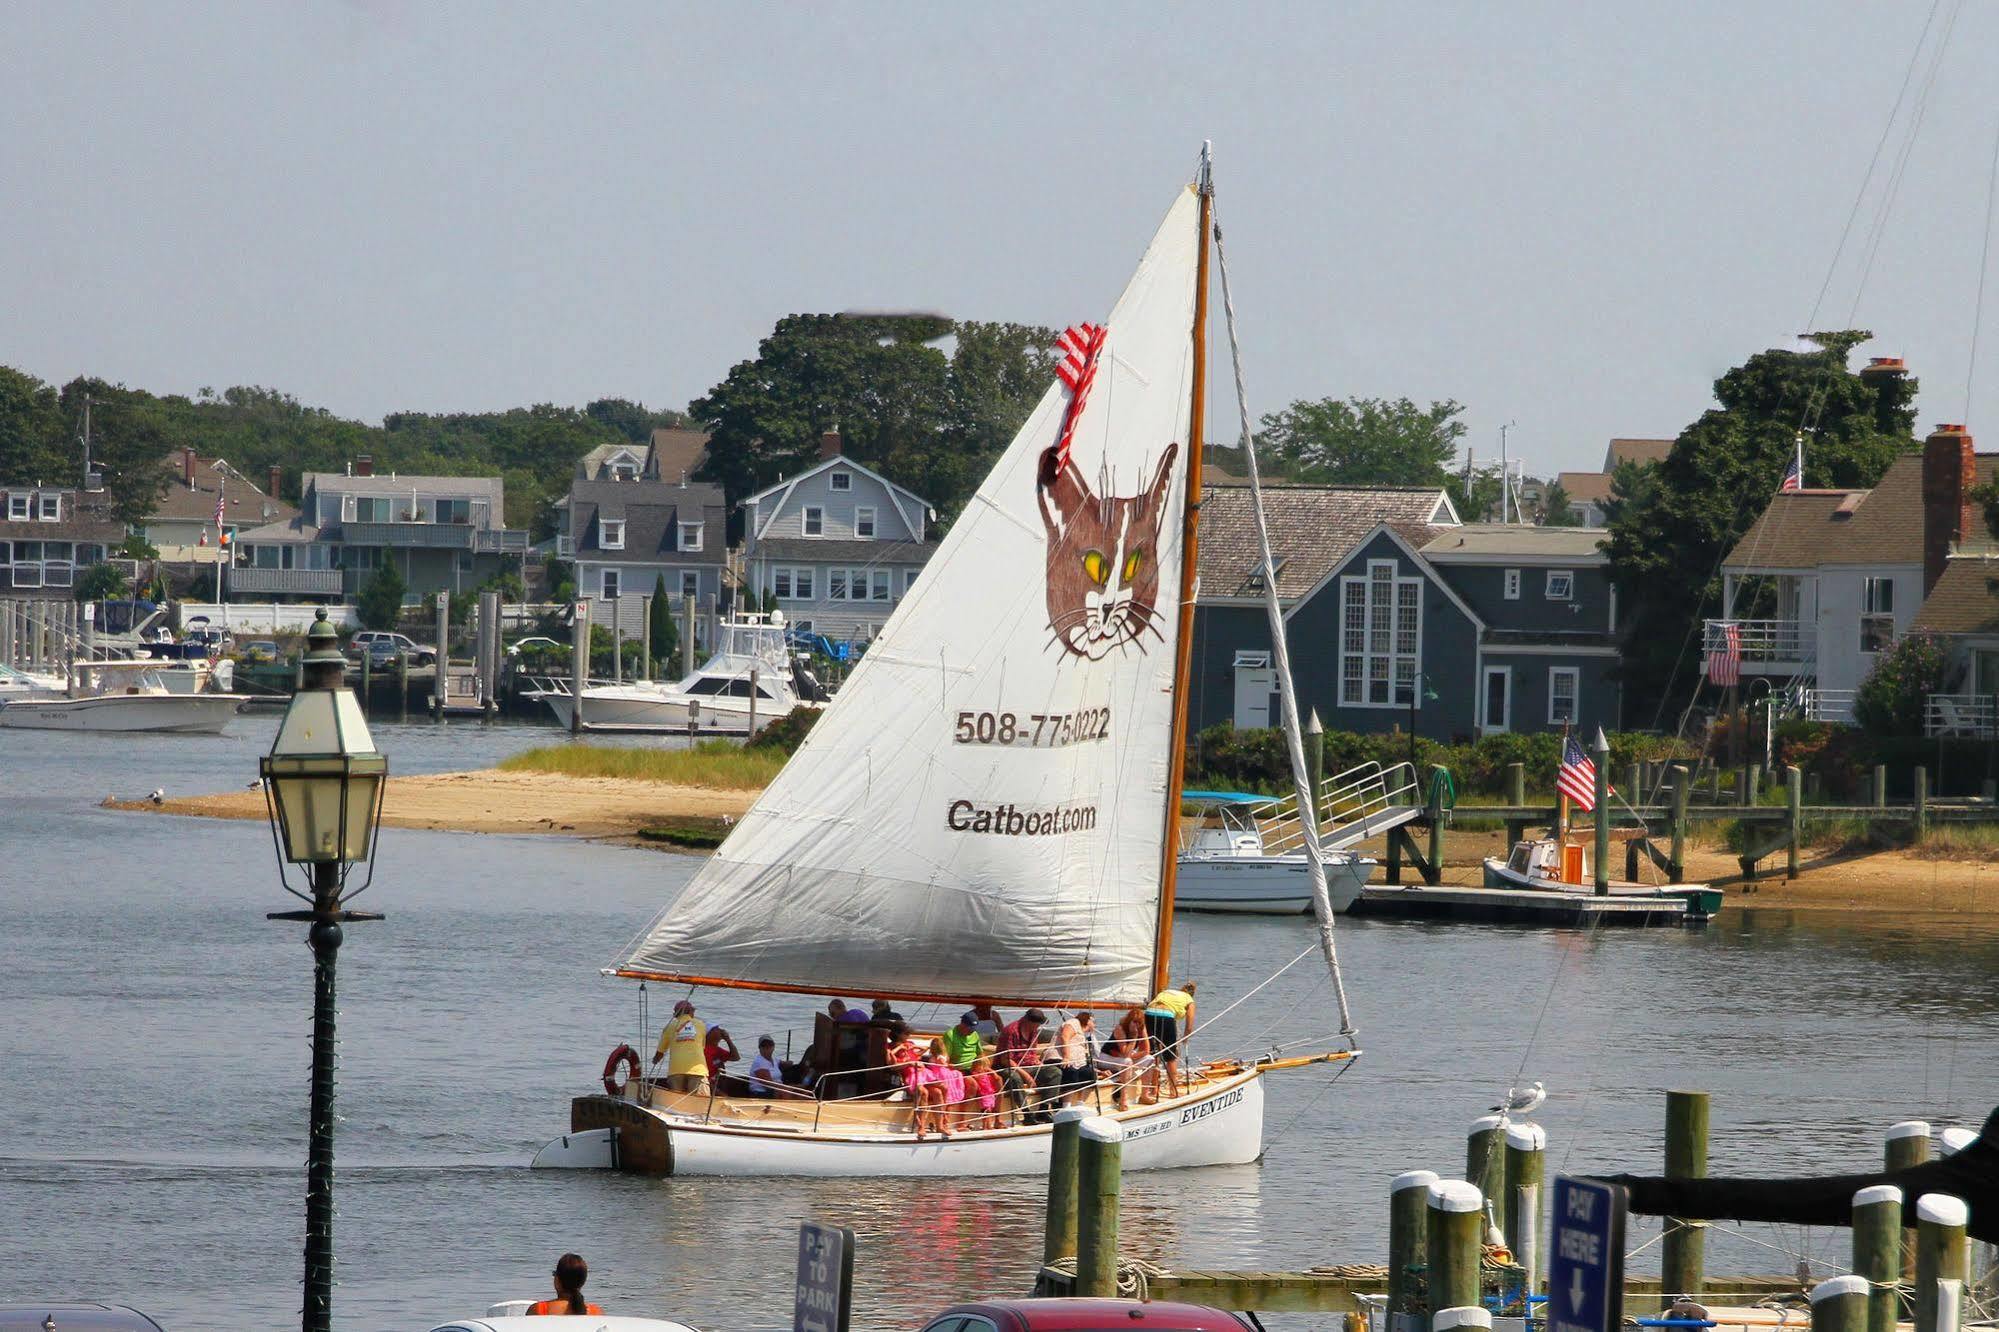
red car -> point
(1085, 1316)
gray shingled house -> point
(633, 518)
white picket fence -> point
(268, 617)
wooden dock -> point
(1517, 906)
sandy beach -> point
(1907, 883)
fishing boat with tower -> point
(989, 811)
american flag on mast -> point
(1724, 656)
(1079, 346)
(1794, 473)
(1576, 778)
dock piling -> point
(1877, 1253)
(1879, 796)
(1526, 1154)
(1602, 865)
(1940, 1261)
(367, 683)
(438, 684)
(1099, 1161)
(1683, 1248)
(1840, 1304)
(1408, 1234)
(1676, 864)
(1921, 800)
(1485, 1155)
(1058, 1239)
(1464, 1319)
(579, 664)
(1907, 1144)
(1794, 802)
(1315, 758)
(1455, 1222)
(403, 684)
(645, 636)
(1516, 784)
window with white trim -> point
(18, 507)
(864, 524)
(908, 580)
(881, 585)
(1877, 614)
(691, 535)
(690, 583)
(780, 584)
(840, 480)
(611, 535)
(1561, 584)
(814, 520)
(801, 584)
(1564, 683)
(51, 507)
(1380, 636)
(1513, 585)
(612, 583)
(836, 585)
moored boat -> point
(1229, 866)
(1549, 864)
(750, 681)
(122, 696)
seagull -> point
(157, 795)
(1522, 1100)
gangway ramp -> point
(1354, 805)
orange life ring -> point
(627, 1056)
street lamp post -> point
(323, 784)
(1420, 685)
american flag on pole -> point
(1794, 472)
(1079, 345)
(218, 510)
(1724, 658)
(1576, 778)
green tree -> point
(1892, 699)
(32, 430)
(1671, 524)
(660, 628)
(1555, 510)
(1364, 441)
(101, 581)
(380, 604)
(1477, 499)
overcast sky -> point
(1571, 216)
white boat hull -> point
(193, 714)
(1221, 1126)
(626, 709)
(1270, 885)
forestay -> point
(981, 813)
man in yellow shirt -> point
(1169, 1020)
(682, 1043)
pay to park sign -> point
(1586, 1260)
(825, 1278)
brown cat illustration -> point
(1103, 560)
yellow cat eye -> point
(1131, 566)
(1096, 566)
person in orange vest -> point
(570, 1274)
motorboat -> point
(512, 1316)
(124, 696)
(750, 681)
(16, 683)
(1553, 864)
(1229, 862)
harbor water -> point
(154, 1028)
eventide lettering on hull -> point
(1206, 1108)
(1011, 820)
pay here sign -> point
(1586, 1260)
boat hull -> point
(1223, 1125)
(1266, 885)
(185, 714)
(1702, 901)
(635, 710)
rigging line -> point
(1308, 799)
(1310, 949)
(1984, 260)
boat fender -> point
(627, 1056)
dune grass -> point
(716, 763)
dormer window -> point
(51, 508)
(18, 507)
(841, 480)
(691, 535)
(612, 535)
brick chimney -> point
(276, 478)
(364, 464)
(187, 468)
(829, 445)
(1950, 470)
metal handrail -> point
(1348, 800)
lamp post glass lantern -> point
(323, 785)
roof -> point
(837, 460)
(490, 487)
(290, 530)
(1585, 487)
(677, 453)
(818, 549)
(1807, 529)
(1965, 599)
(1312, 530)
(87, 516)
(1644, 452)
(649, 510)
(1485, 541)
(242, 501)
(593, 462)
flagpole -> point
(1561, 799)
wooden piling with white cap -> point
(1840, 1304)
(1877, 1252)
(1456, 1221)
(1982, 1262)
(1683, 1248)
(1907, 1144)
(1099, 1165)
(1526, 1154)
(1485, 1156)
(1058, 1239)
(1408, 1232)
(1940, 1261)
(1465, 1318)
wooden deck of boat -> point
(1516, 906)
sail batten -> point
(979, 814)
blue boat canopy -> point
(1223, 798)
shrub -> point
(1892, 697)
(380, 604)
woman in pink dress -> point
(930, 1099)
(984, 1084)
(905, 1056)
(951, 1089)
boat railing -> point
(1353, 805)
(561, 684)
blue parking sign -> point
(1586, 1258)
(820, 1299)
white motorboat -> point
(751, 679)
(122, 696)
(18, 684)
(1556, 864)
(1227, 864)
(989, 811)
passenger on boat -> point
(1126, 1054)
(941, 1091)
(905, 1056)
(883, 1013)
(1169, 1020)
(1018, 1058)
(1073, 1042)
(683, 1044)
(839, 1012)
(718, 1051)
(766, 1079)
(984, 1086)
(962, 1043)
(988, 1025)
(570, 1274)
(1047, 1080)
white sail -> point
(981, 813)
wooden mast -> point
(1190, 550)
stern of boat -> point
(610, 1133)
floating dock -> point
(1517, 906)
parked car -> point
(535, 644)
(259, 650)
(208, 637)
(1066, 1315)
(381, 647)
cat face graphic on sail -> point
(1103, 560)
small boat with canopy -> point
(989, 811)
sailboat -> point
(988, 812)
